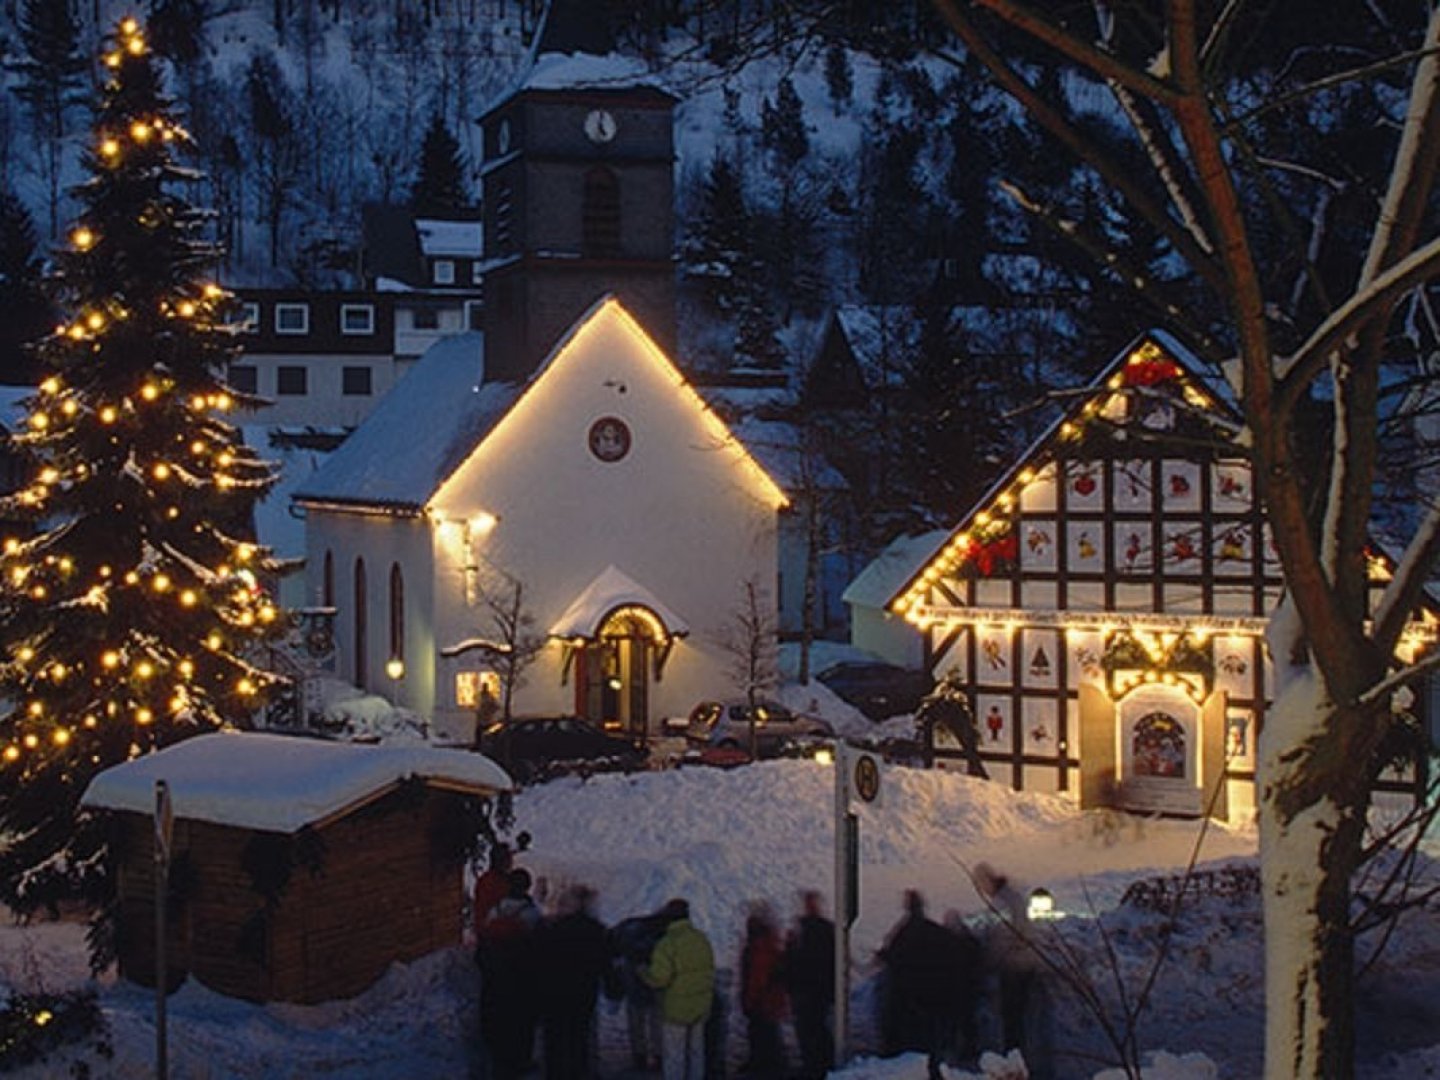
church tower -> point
(578, 185)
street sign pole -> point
(163, 825)
(843, 916)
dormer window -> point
(292, 318)
(357, 318)
(444, 272)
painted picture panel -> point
(1180, 486)
(1235, 666)
(1038, 551)
(1040, 651)
(992, 656)
(1131, 483)
(1230, 486)
(993, 716)
(1040, 730)
(1085, 552)
(1084, 488)
(954, 658)
(1231, 548)
(1134, 548)
(1183, 543)
(1239, 739)
(1159, 742)
(1086, 648)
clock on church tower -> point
(578, 192)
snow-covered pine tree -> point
(440, 183)
(133, 600)
(51, 70)
(27, 311)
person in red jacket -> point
(762, 994)
(492, 886)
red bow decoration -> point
(1150, 372)
(994, 554)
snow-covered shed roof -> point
(885, 574)
(280, 783)
(611, 590)
(450, 238)
(882, 338)
(417, 435)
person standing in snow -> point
(492, 886)
(923, 974)
(762, 995)
(507, 988)
(1012, 952)
(632, 941)
(809, 968)
(570, 958)
(682, 968)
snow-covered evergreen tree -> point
(134, 599)
(440, 184)
(27, 311)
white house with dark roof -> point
(626, 514)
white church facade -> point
(599, 504)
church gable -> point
(608, 410)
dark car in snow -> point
(532, 748)
(877, 689)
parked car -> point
(533, 747)
(725, 725)
(877, 689)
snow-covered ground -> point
(725, 838)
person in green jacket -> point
(682, 968)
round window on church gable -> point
(609, 438)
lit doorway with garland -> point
(614, 669)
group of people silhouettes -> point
(939, 976)
(546, 974)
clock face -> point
(600, 126)
(609, 438)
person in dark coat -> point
(809, 968)
(762, 995)
(507, 990)
(631, 942)
(571, 953)
(924, 971)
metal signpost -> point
(861, 773)
(164, 824)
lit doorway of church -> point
(615, 689)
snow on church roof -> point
(280, 783)
(421, 431)
(612, 589)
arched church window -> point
(362, 672)
(397, 613)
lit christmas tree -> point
(131, 594)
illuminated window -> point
(397, 613)
(444, 272)
(469, 685)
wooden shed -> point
(300, 869)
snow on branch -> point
(1350, 317)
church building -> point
(549, 508)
